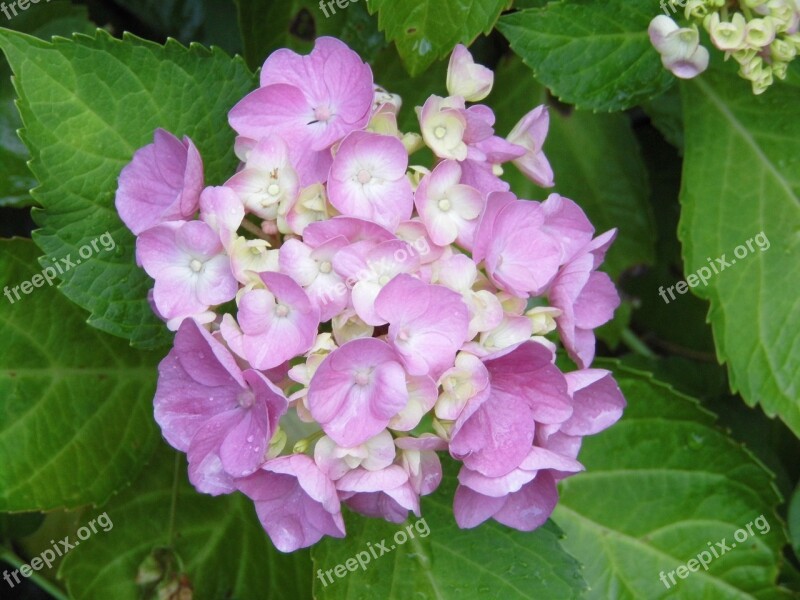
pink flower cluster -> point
(343, 316)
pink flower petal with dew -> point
(296, 504)
(162, 183)
(244, 447)
(206, 472)
(356, 390)
(427, 323)
(192, 386)
(530, 507)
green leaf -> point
(741, 177)
(592, 54)
(19, 525)
(596, 160)
(224, 551)
(58, 18)
(111, 96)
(444, 562)
(267, 26)
(659, 487)
(794, 522)
(77, 404)
(425, 30)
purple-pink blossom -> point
(349, 314)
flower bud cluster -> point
(760, 35)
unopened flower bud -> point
(760, 32)
(471, 81)
(727, 35)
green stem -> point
(174, 504)
(255, 230)
(48, 586)
(637, 345)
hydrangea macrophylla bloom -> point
(586, 298)
(460, 274)
(597, 402)
(471, 81)
(310, 101)
(251, 257)
(422, 394)
(368, 179)
(221, 417)
(190, 269)
(418, 458)
(386, 312)
(427, 323)
(222, 210)
(375, 454)
(521, 257)
(356, 390)
(310, 206)
(449, 209)
(162, 183)
(267, 179)
(312, 268)
(296, 503)
(444, 125)
(495, 431)
(369, 269)
(274, 324)
(386, 494)
(525, 509)
(465, 380)
(530, 133)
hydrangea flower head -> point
(347, 317)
